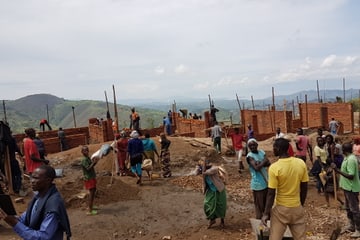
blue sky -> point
(161, 49)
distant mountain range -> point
(28, 111)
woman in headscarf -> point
(215, 193)
(136, 151)
(165, 155)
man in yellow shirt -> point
(288, 179)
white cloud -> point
(350, 60)
(328, 61)
(229, 81)
(159, 70)
(181, 69)
(201, 86)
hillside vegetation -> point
(28, 111)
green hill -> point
(28, 111)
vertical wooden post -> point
(271, 120)
(307, 112)
(238, 101)
(318, 92)
(115, 111)
(73, 110)
(293, 108)
(5, 119)
(47, 113)
(285, 119)
(108, 116)
(273, 108)
(252, 101)
(344, 89)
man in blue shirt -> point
(45, 217)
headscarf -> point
(123, 134)
(134, 134)
(251, 140)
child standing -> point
(89, 177)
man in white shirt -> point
(216, 132)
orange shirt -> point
(29, 150)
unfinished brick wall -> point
(191, 127)
(320, 114)
(266, 122)
(100, 131)
(74, 137)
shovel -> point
(336, 232)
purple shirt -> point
(49, 228)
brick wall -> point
(100, 131)
(320, 114)
(74, 138)
(198, 127)
(266, 121)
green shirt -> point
(88, 174)
(350, 166)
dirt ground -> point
(170, 208)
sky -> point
(164, 49)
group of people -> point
(285, 182)
(46, 216)
(237, 140)
(136, 149)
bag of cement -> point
(223, 174)
(147, 165)
(103, 151)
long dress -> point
(165, 158)
(122, 145)
(215, 200)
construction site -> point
(171, 208)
